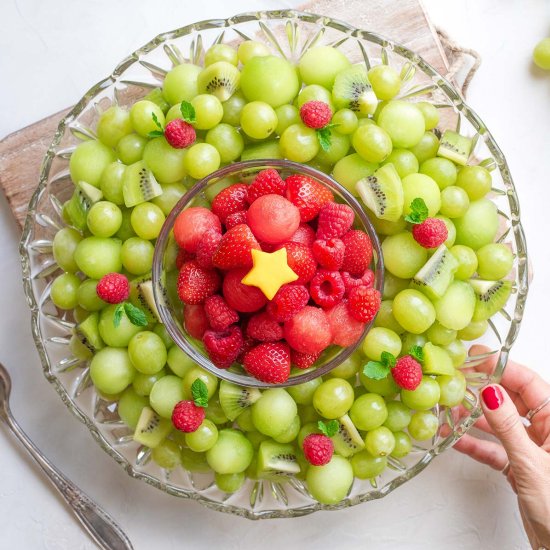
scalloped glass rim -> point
(521, 280)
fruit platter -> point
(258, 255)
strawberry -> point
(223, 347)
(180, 134)
(364, 303)
(268, 362)
(240, 297)
(235, 219)
(220, 316)
(431, 233)
(113, 288)
(195, 283)
(195, 321)
(187, 417)
(307, 195)
(248, 344)
(288, 301)
(300, 259)
(264, 328)
(329, 253)
(350, 281)
(315, 114)
(327, 288)
(303, 360)
(230, 200)
(206, 248)
(318, 449)
(358, 253)
(234, 248)
(335, 220)
(407, 373)
(267, 182)
(183, 256)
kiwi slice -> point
(83, 197)
(267, 150)
(235, 399)
(491, 296)
(141, 295)
(347, 440)
(437, 361)
(454, 147)
(352, 90)
(220, 79)
(139, 185)
(436, 275)
(276, 459)
(88, 333)
(383, 193)
(151, 429)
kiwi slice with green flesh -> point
(84, 196)
(455, 147)
(156, 96)
(235, 399)
(141, 295)
(436, 275)
(88, 333)
(151, 429)
(268, 150)
(491, 296)
(220, 79)
(352, 90)
(276, 459)
(436, 361)
(383, 193)
(347, 440)
(139, 185)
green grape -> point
(348, 368)
(457, 351)
(393, 286)
(130, 148)
(231, 454)
(372, 143)
(386, 319)
(410, 340)
(321, 64)
(160, 330)
(137, 255)
(244, 421)
(399, 416)
(130, 406)
(541, 54)
(208, 111)
(368, 411)
(329, 484)
(166, 163)
(120, 336)
(171, 194)
(156, 96)
(89, 160)
(305, 430)
(473, 331)
(308, 414)
(221, 52)
(256, 438)
(366, 466)
(424, 187)
(452, 389)
(215, 412)
(451, 231)
(338, 149)
(333, 398)
(426, 148)
(64, 245)
(173, 113)
(291, 433)
(201, 159)
(111, 182)
(441, 170)
(303, 393)
(430, 114)
(404, 162)
(456, 307)
(147, 220)
(379, 340)
(147, 352)
(113, 124)
(495, 261)
(299, 143)
(180, 84)
(251, 48)
(64, 291)
(258, 119)
(379, 442)
(424, 397)
(97, 256)
(111, 370)
(350, 169)
(227, 140)
(194, 462)
(479, 226)
(404, 123)
(385, 387)
(454, 202)
(78, 349)
(179, 362)
(203, 438)
(314, 92)
(167, 455)
(403, 256)
(198, 373)
(403, 445)
(87, 296)
(439, 335)
(467, 261)
(104, 219)
(423, 426)
(286, 116)
(230, 483)
(475, 180)
(166, 394)
(232, 108)
(273, 413)
(345, 120)
(385, 81)
(143, 383)
(141, 115)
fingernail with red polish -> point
(492, 397)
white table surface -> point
(51, 53)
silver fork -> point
(100, 525)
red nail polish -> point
(492, 397)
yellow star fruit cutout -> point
(270, 272)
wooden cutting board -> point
(405, 21)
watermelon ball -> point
(273, 219)
(192, 224)
(308, 331)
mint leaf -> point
(419, 211)
(135, 315)
(118, 315)
(324, 137)
(157, 123)
(416, 352)
(188, 112)
(376, 370)
(329, 428)
(199, 391)
(155, 133)
(387, 359)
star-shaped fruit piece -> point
(270, 272)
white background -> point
(50, 54)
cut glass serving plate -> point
(289, 34)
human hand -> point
(523, 453)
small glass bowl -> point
(164, 271)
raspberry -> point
(187, 417)
(195, 283)
(288, 301)
(304, 234)
(195, 321)
(182, 257)
(179, 134)
(235, 219)
(220, 316)
(431, 233)
(345, 329)
(113, 288)
(334, 220)
(307, 195)
(264, 328)
(318, 449)
(269, 362)
(358, 254)
(315, 114)
(407, 373)
(241, 297)
(206, 248)
(267, 182)
(223, 347)
(350, 281)
(230, 200)
(364, 303)
(248, 344)
(329, 253)
(300, 259)
(234, 248)
(303, 360)
(327, 288)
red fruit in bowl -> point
(234, 248)
(335, 220)
(327, 288)
(264, 327)
(206, 248)
(195, 321)
(288, 301)
(303, 360)
(272, 218)
(307, 195)
(300, 259)
(235, 219)
(223, 347)
(350, 281)
(358, 253)
(230, 200)
(243, 298)
(364, 303)
(346, 330)
(268, 362)
(192, 224)
(267, 182)
(329, 253)
(308, 331)
(304, 234)
(195, 283)
(220, 316)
